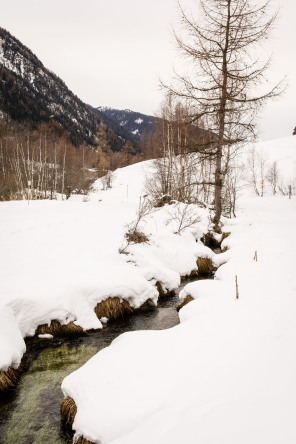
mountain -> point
(130, 123)
(30, 92)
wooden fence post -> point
(236, 288)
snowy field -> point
(226, 374)
(58, 259)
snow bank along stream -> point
(59, 260)
(226, 373)
(31, 413)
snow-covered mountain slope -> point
(227, 373)
(135, 124)
(32, 93)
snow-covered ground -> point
(58, 259)
(226, 374)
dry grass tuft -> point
(185, 302)
(82, 440)
(9, 378)
(210, 241)
(163, 293)
(224, 249)
(192, 275)
(68, 413)
(163, 201)
(136, 237)
(224, 236)
(113, 308)
(147, 306)
(205, 266)
(57, 329)
(68, 410)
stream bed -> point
(30, 414)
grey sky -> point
(111, 52)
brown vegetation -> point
(193, 275)
(185, 301)
(147, 306)
(205, 266)
(162, 292)
(224, 236)
(82, 440)
(68, 410)
(210, 241)
(9, 378)
(39, 163)
(113, 308)
(55, 328)
(68, 413)
(136, 237)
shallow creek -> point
(31, 413)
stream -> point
(30, 414)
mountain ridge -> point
(134, 123)
(30, 92)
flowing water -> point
(31, 413)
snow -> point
(227, 373)
(59, 259)
(12, 345)
(139, 121)
(281, 151)
(45, 336)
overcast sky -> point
(111, 52)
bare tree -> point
(262, 163)
(134, 233)
(179, 172)
(273, 177)
(232, 186)
(183, 216)
(256, 172)
(224, 81)
(252, 173)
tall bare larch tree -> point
(226, 76)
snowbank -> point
(58, 260)
(227, 373)
(13, 347)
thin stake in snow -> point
(29, 186)
(255, 256)
(236, 288)
(290, 191)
